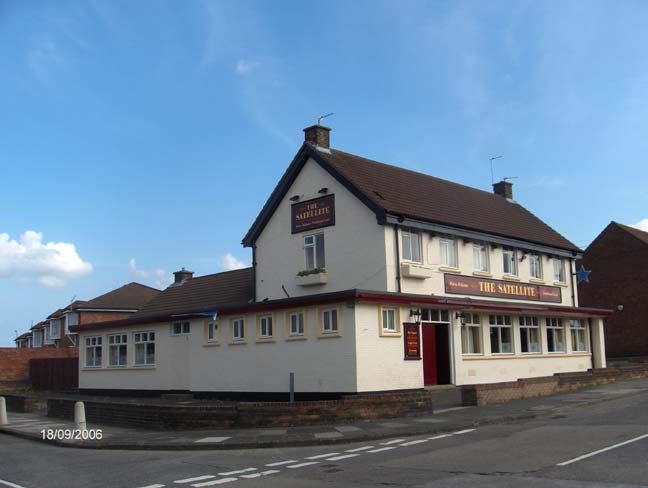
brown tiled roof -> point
(56, 314)
(128, 297)
(38, 325)
(419, 196)
(204, 293)
(639, 234)
(23, 336)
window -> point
(38, 338)
(435, 315)
(55, 329)
(411, 241)
(180, 328)
(555, 335)
(212, 331)
(389, 320)
(265, 327)
(144, 348)
(471, 334)
(578, 336)
(117, 350)
(535, 265)
(510, 262)
(559, 270)
(330, 321)
(47, 338)
(500, 334)
(297, 324)
(314, 251)
(448, 253)
(93, 352)
(238, 330)
(480, 258)
(529, 335)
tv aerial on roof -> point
(491, 166)
(319, 119)
(506, 178)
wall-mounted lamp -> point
(416, 315)
(323, 191)
(294, 198)
(620, 308)
(523, 257)
(461, 316)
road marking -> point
(357, 449)
(389, 448)
(219, 481)
(301, 465)
(412, 443)
(281, 463)
(345, 456)
(197, 478)
(465, 431)
(395, 441)
(585, 456)
(270, 471)
(149, 486)
(240, 471)
(258, 475)
(324, 455)
(212, 439)
(13, 485)
(438, 437)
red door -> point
(429, 355)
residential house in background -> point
(618, 260)
(366, 277)
(24, 340)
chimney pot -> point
(503, 189)
(318, 135)
(182, 276)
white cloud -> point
(159, 277)
(28, 259)
(641, 225)
(229, 263)
(245, 66)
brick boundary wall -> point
(14, 362)
(490, 393)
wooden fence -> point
(54, 373)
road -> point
(538, 453)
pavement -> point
(35, 426)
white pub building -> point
(366, 277)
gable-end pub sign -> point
(468, 285)
(313, 214)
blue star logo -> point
(582, 274)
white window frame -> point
(185, 328)
(535, 266)
(37, 338)
(144, 338)
(311, 246)
(481, 258)
(212, 331)
(448, 252)
(509, 255)
(93, 343)
(435, 315)
(471, 321)
(553, 325)
(238, 329)
(529, 323)
(69, 322)
(55, 326)
(389, 325)
(266, 327)
(499, 322)
(297, 327)
(117, 341)
(559, 270)
(576, 328)
(330, 325)
(411, 246)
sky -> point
(140, 137)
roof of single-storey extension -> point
(397, 191)
(202, 293)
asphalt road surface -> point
(600, 445)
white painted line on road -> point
(395, 441)
(412, 443)
(270, 471)
(438, 437)
(240, 471)
(149, 486)
(197, 478)
(449, 410)
(585, 456)
(324, 455)
(11, 485)
(357, 449)
(212, 439)
(302, 465)
(219, 481)
(258, 475)
(281, 463)
(465, 431)
(389, 448)
(339, 458)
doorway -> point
(436, 353)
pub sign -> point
(313, 214)
(467, 285)
(412, 338)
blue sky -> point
(140, 137)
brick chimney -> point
(182, 276)
(503, 189)
(318, 135)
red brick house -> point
(618, 260)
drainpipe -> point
(398, 275)
(591, 342)
(572, 275)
